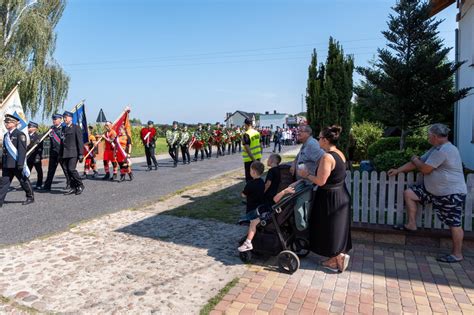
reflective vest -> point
(255, 147)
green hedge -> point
(393, 159)
(364, 134)
(384, 145)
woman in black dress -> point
(330, 220)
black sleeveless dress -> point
(330, 219)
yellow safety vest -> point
(255, 147)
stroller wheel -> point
(288, 261)
(300, 246)
(246, 257)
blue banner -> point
(79, 118)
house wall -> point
(236, 120)
(273, 121)
(465, 109)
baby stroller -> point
(278, 235)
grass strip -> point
(215, 300)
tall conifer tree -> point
(413, 71)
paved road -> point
(53, 212)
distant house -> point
(273, 120)
(464, 109)
(238, 117)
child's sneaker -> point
(246, 246)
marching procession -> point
(72, 141)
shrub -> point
(393, 144)
(365, 134)
(393, 159)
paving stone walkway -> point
(129, 262)
(380, 280)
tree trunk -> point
(403, 138)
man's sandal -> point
(402, 227)
(449, 259)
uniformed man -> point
(125, 143)
(35, 157)
(224, 140)
(217, 139)
(209, 140)
(184, 141)
(71, 152)
(109, 152)
(172, 139)
(231, 140)
(90, 153)
(14, 160)
(252, 148)
(148, 136)
(55, 137)
(238, 138)
(198, 142)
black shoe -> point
(45, 188)
(70, 192)
(175, 164)
(130, 175)
(28, 201)
(195, 160)
(95, 174)
(156, 167)
(148, 169)
(79, 190)
(107, 176)
(122, 177)
(67, 187)
(114, 177)
(38, 187)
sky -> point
(195, 60)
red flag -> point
(123, 120)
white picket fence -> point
(378, 199)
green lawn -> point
(139, 150)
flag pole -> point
(11, 93)
(127, 109)
(41, 140)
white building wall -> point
(236, 120)
(269, 121)
(465, 112)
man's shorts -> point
(448, 208)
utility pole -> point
(302, 103)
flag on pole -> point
(12, 105)
(123, 120)
(79, 118)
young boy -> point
(270, 196)
(254, 190)
(272, 181)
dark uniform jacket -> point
(71, 145)
(37, 153)
(55, 145)
(18, 139)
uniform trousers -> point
(7, 177)
(70, 166)
(52, 166)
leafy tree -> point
(27, 44)
(413, 73)
(368, 101)
(329, 92)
